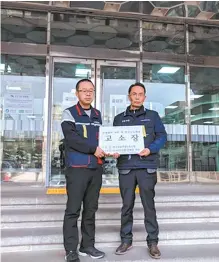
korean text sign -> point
(121, 139)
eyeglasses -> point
(87, 91)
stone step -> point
(106, 222)
(174, 253)
(21, 194)
(49, 238)
(117, 204)
(106, 212)
(104, 199)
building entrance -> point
(112, 80)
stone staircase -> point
(188, 216)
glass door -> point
(66, 73)
(113, 81)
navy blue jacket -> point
(154, 139)
(81, 134)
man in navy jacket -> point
(83, 160)
(140, 169)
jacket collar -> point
(80, 111)
(137, 112)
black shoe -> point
(91, 251)
(154, 252)
(72, 256)
(123, 249)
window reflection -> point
(22, 117)
(116, 81)
(84, 31)
(205, 119)
(66, 76)
(166, 95)
(162, 37)
(23, 26)
(203, 40)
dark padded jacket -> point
(81, 134)
(154, 139)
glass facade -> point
(22, 26)
(66, 75)
(160, 37)
(203, 40)
(204, 97)
(84, 31)
(45, 54)
(22, 117)
(166, 94)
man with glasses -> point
(140, 169)
(83, 158)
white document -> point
(18, 103)
(121, 139)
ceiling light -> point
(208, 122)
(82, 72)
(168, 70)
(192, 97)
(214, 109)
(31, 117)
(15, 88)
(171, 107)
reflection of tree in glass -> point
(21, 155)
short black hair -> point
(81, 81)
(137, 84)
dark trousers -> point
(146, 183)
(83, 186)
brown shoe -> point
(123, 248)
(154, 252)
